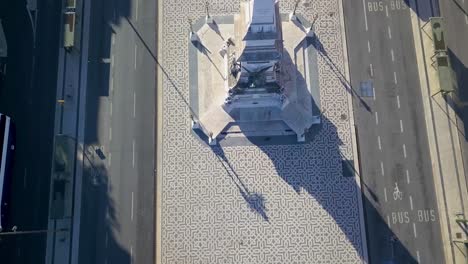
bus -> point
(7, 148)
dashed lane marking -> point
(395, 78)
(404, 150)
(385, 194)
(398, 101)
(389, 32)
(365, 14)
(407, 177)
(392, 54)
(382, 169)
(376, 118)
(411, 202)
(368, 46)
(379, 143)
(414, 230)
(401, 126)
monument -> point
(263, 78)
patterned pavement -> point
(265, 203)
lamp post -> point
(293, 16)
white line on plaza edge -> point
(379, 143)
(398, 101)
(371, 68)
(392, 54)
(135, 58)
(417, 256)
(414, 230)
(133, 153)
(131, 213)
(404, 150)
(134, 104)
(395, 78)
(389, 32)
(407, 177)
(401, 126)
(365, 14)
(376, 118)
(411, 202)
(382, 168)
(368, 46)
(385, 194)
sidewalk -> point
(65, 191)
(447, 163)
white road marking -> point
(133, 153)
(382, 168)
(376, 118)
(365, 14)
(417, 256)
(131, 216)
(392, 54)
(401, 126)
(386, 11)
(107, 239)
(395, 78)
(110, 133)
(378, 141)
(389, 32)
(111, 83)
(135, 58)
(404, 150)
(131, 254)
(368, 46)
(109, 159)
(398, 101)
(373, 92)
(411, 202)
(24, 178)
(414, 230)
(371, 68)
(385, 194)
(136, 10)
(134, 104)
(407, 177)
(110, 108)
(466, 19)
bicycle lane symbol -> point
(397, 194)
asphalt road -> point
(393, 145)
(117, 218)
(30, 101)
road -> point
(394, 153)
(29, 97)
(117, 218)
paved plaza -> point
(257, 203)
